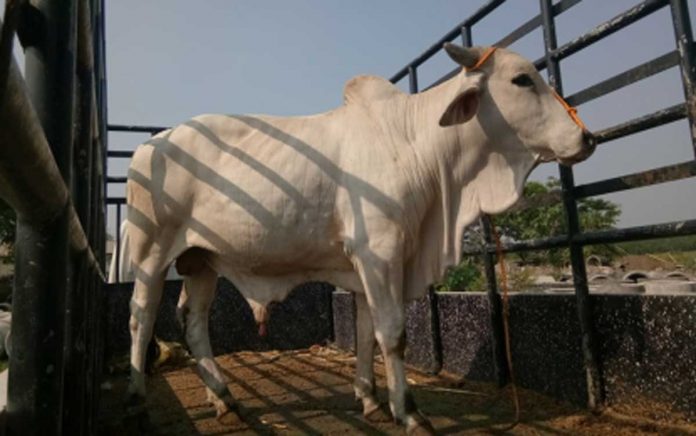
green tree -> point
(541, 222)
(466, 276)
(533, 223)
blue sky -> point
(169, 61)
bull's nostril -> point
(589, 139)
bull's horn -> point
(463, 56)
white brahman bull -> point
(372, 196)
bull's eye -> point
(523, 80)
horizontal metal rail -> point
(122, 179)
(655, 119)
(116, 200)
(607, 28)
(136, 129)
(651, 177)
(671, 229)
(603, 30)
(120, 153)
(625, 78)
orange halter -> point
(572, 112)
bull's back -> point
(259, 191)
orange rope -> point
(483, 58)
(506, 324)
(572, 112)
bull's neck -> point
(454, 148)
(448, 157)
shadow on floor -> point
(310, 392)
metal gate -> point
(52, 142)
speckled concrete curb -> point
(647, 343)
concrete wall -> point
(302, 320)
(647, 343)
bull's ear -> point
(466, 57)
(462, 108)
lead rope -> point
(503, 273)
(573, 113)
(506, 324)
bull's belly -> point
(283, 260)
(273, 279)
(267, 250)
(266, 263)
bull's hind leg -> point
(199, 293)
(147, 294)
(364, 384)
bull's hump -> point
(366, 89)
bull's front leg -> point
(364, 384)
(194, 306)
(383, 284)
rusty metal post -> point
(35, 391)
(687, 57)
(595, 394)
(500, 368)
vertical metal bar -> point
(83, 148)
(412, 79)
(97, 298)
(77, 410)
(494, 306)
(9, 27)
(117, 249)
(41, 293)
(93, 372)
(100, 53)
(687, 54)
(35, 388)
(75, 393)
(595, 395)
(466, 36)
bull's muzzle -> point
(589, 140)
(589, 144)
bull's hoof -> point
(381, 413)
(419, 426)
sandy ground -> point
(309, 392)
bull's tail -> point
(122, 256)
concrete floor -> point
(309, 392)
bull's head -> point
(512, 102)
(508, 120)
